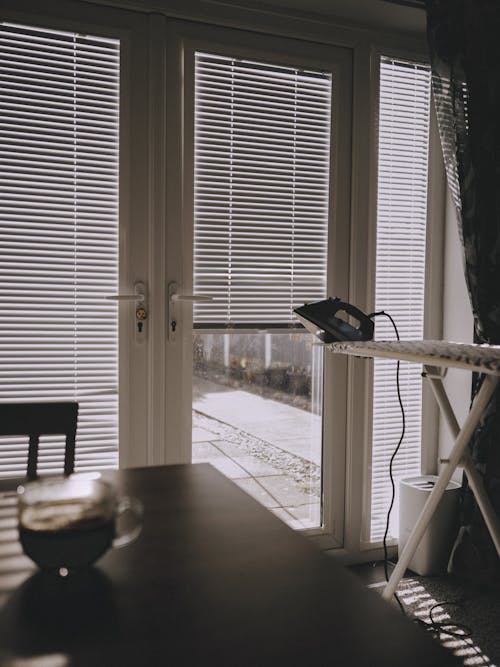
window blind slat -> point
(59, 124)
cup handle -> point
(135, 507)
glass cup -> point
(67, 523)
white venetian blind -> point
(400, 272)
(59, 113)
(262, 156)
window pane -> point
(262, 163)
(400, 273)
(257, 417)
(59, 236)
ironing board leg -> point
(474, 478)
(457, 453)
(487, 510)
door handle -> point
(194, 298)
(139, 295)
(173, 298)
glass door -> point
(262, 152)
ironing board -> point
(435, 355)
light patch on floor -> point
(422, 606)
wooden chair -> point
(36, 419)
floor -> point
(462, 615)
(371, 574)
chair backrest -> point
(36, 419)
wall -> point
(303, 18)
(457, 326)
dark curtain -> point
(464, 44)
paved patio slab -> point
(275, 470)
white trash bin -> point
(433, 552)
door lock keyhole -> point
(140, 315)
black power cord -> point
(460, 631)
(394, 454)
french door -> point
(75, 228)
(263, 199)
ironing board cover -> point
(481, 358)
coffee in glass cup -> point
(67, 523)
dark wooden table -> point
(214, 579)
